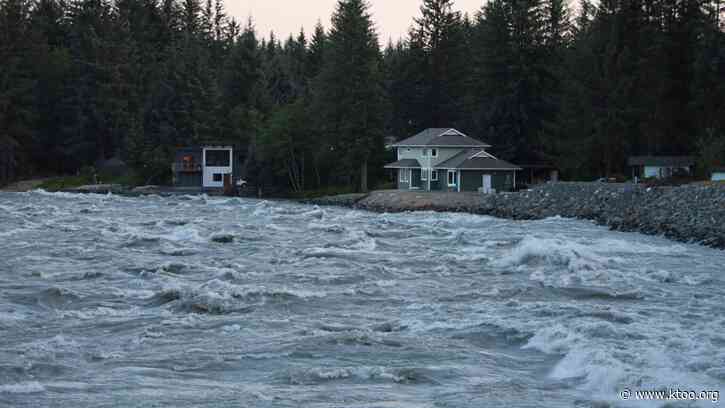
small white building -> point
(718, 174)
(661, 167)
(208, 167)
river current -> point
(197, 301)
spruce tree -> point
(439, 34)
(349, 92)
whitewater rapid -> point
(199, 301)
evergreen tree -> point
(349, 92)
(316, 52)
(17, 79)
(439, 36)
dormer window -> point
(433, 152)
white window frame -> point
(404, 175)
(423, 174)
(433, 152)
(433, 175)
(455, 178)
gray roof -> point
(441, 137)
(466, 161)
(404, 164)
(676, 161)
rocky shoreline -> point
(690, 213)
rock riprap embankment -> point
(690, 213)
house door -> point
(487, 184)
(415, 179)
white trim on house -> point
(483, 154)
(434, 175)
(453, 132)
(424, 174)
(434, 150)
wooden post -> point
(228, 185)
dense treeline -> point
(85, 80)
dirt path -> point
(23, 186)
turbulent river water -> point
(197, 301)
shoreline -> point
(693, 213)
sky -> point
(284, 17)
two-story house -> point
(444, 159)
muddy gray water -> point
(194, 301)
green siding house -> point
(444, 159)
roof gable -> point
(476, 159)
(441, 137)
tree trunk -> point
(364, 177)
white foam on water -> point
(31, 387)
(185, 233)
(220, 296)
(573, 255)
(100, 312)
(564, 263)
(380, 373)
(58, 194)
(12, 232)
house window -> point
(218, 178)
(433, 152)
(187, 163)
(434, 175)
(424, 175)
(425, 152)
(404, 175)
(452, 178)
(218, 158)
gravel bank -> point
(691, 213)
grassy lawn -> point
(60, 183)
